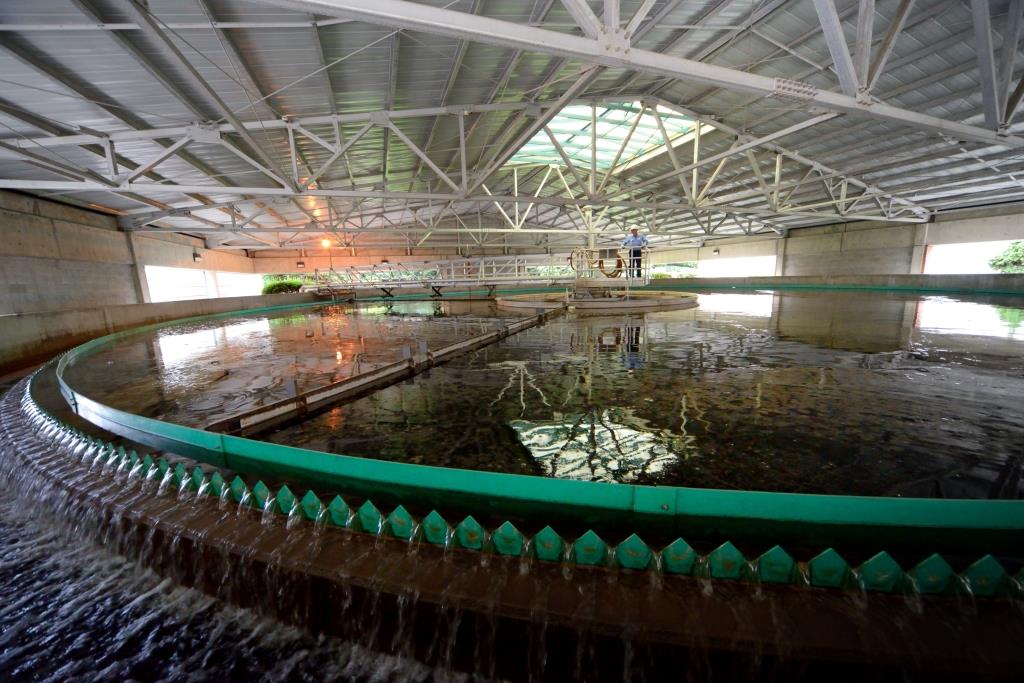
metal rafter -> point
(152, 30)
(415, 16)
(832, 27)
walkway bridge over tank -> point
(587, 266)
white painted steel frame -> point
(611, 53)
(608, 46)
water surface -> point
(808, 391)
(199, 373)
(817, 392)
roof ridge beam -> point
(414, 16)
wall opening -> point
(674, 270)
(182, 284)
(969, 258)
(742, 266)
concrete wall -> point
(54, 256)
(850, 248)
(58, 257)
(862, 248)
(992, 283)
(29, 338)
(951, 229)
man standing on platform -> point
(635, 242)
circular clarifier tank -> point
(602, 299)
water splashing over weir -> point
(370, 609)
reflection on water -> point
(948, 316)
(811, 392)
(602, 445)
(830, 392)
(202, 372)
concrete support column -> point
(920, 251)
(780, 255)
(138, 273)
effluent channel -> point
(785, 484)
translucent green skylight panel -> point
(572, 128)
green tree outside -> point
(1011, 260)
(1013, 317)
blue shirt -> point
(635, 241)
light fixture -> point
(715, 251)
(300, 265)
(196, 256)
(326, 244)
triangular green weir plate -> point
(338, 512)
(548, 545)
(508, 540)
(828, 569)
(881, 573)
(589, 549)
(435, 528)
(678, 557)
(633, 553)
(726, 562)
(775, 566)
(469, 534)
(284, 501)
(400, 523)
(260, 494)
(311, 506)
(932, 575)
(986, 577)
(369, 518)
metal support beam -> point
(750, 144)
(424, 158)
(429, 19)
(1008, 55)
(152, 188)
(865, 30)
(584, 17)
(986, 61)
(836, 40)
(638, 17)
(566, 160)
(152, 30)
(164, 154)
(499, 160)
(62, 168)
(888, 43)
(341, 150)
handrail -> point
(590, 264)
(964, 524)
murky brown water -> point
(825, 392)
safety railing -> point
(546, 269)
(623, 267)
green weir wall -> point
(966, 525)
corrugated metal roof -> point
(266, 64)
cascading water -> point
(114, 570)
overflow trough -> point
(439, 522)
